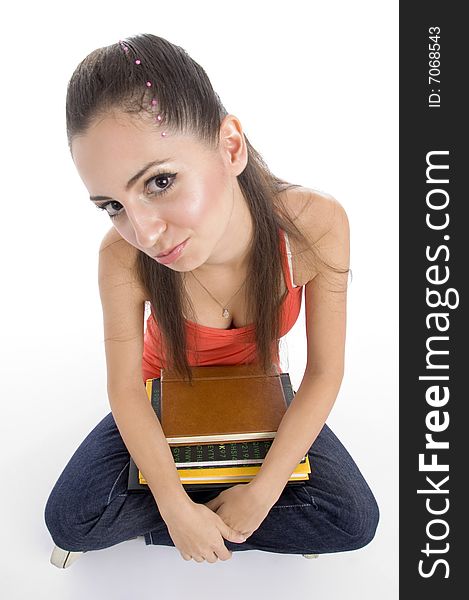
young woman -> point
(221, 249)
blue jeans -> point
(89, 507)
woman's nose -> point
(147, 224)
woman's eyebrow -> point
(135, 177)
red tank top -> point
(214, 346)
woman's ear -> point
(233, 144)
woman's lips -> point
(166, 253)
(172, 255)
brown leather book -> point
(223, 404)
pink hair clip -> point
(153, 101)
(123, 46)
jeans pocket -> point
(303, 493)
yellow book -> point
(224, 475)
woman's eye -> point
(111, 204)
(164, 179)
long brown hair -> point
(107, 79)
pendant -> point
(226, 313)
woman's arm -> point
(325, 312)
(123, 303)
(195, 529)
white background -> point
(315, 87)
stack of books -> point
(220, 427)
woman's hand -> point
(241, 508)
(197, 532)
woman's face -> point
(189, 194)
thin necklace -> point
(225, 312)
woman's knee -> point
(95, 475)
(62, 521)
(363, 522)
(353, 508)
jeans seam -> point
(115, 483)
(291, 505)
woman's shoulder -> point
(323, 222)
(113, 243)
(111, 237)
(313, 211)
(117, 262)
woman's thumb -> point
(233, 535)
